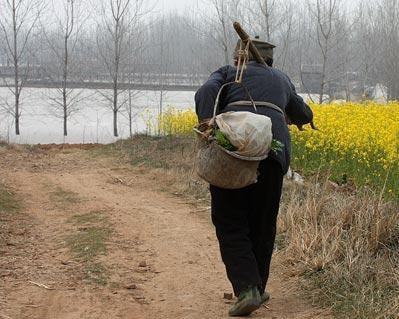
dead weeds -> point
(345, 247)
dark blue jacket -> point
(264, 84)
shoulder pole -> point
(245, 38)
(252, 48)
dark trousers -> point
(245, 221)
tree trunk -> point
(226, 56)
(130, 111)
(160, 111)
(115, 105)
(323, 75)
(116, 123)
(130, 125)
(321, 89)
(65, 123)
(64, 83)
(225, 45)
(65, 106)
(17, 132)
(116, 76)
(16, 70)
(267, 21)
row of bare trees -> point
(114, 40)
(35, 36)
(338, 36)
(18, 19)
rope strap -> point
(243, 57)
(257, 103)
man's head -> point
(265, 49)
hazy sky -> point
(175, 5)
(180, 5)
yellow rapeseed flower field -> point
(356, 142)
(368, 131)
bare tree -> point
(267, 8)
(130, 109)
(17, 21)
(222, 17)
(62, 45)
(366, 43)
(273, 20)
(135, 47)
(325, 14)
(264, 17)
(386, 26)
(163, 46)
(112, 38)
(285, 35)
(165, 57)
(202, 53)
(218, 26)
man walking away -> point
(245, 219)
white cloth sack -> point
(250, 133)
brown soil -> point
(162, 257)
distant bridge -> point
(108, 85)
(135, 81)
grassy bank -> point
(341, 243)
(171, 159)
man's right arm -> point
(206, 95)
(298, 112)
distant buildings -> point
(350, 87)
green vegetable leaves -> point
(277, 146)
(223, 141)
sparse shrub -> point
(177, 122)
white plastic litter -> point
(250, 133)
(294, 176)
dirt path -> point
(161, 258)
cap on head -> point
(265, 49)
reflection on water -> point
(91, 123)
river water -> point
(92, 122)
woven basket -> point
(224, 169)
(220, 167)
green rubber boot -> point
(265, 297)
(248, 301)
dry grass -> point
(345, 246)
(63, 198)
(8, 201)
(9, 206)
(342, 244)
(88, 242)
